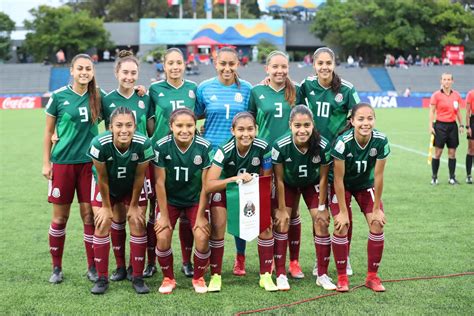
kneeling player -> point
(120, 158)
(359, 160)
(181, 164)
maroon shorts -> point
(310, 195)
(175, 212)
(96, 199)
(219, 199)
(70, 178)
(150, 182)
(365, 198)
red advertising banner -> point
(455, 54)
(17, 103)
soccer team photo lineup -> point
(226, 174)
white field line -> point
(422, 154)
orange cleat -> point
(342, 283)
(239, 265)
(295, 270)
(167, 286)
(374, 283)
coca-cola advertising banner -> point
(17, 103)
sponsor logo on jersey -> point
(98, 197)
(255, 161)
(316, 159)
(110, 159)
(288, 159)
(275, 154)
(94, 152)
(238, 97)
(134, 157)
(168, 157)
(141, 104)
(338, 97)
(231, 163)
(213, 98)
(56, 193)
(191, 94)
(66, 102)
(312, 93)
(161, 94)
(373, 152)
(261, 97)
(197, 160)
(340, 146)
(349, 155)
(217, 197)
(112, 105)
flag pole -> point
(225, 9)
(239, 10)
(180, 9)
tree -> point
(374, 27)
(62, 28)
(6, 26)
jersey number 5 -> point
(303, 171)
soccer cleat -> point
(149, 271)
(374, 283)
(282, 283)
(266, 282)
(315, 268)
(100, 286)
(167, 286)
(187, 269)
(453, 181)
(119, 274)
(92, 274)
(295, 270)
(342, 283)
(200, 285)
(325, 282)
(469, 179)
(239, 265)
(140, 286)
(349, 271)
(215, 284)
(57, 276)
(129, 273)
(434, 180)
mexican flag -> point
(248, 207)
(173, 2)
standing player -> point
(126, 72)
(444, 111)
(301, 161)
(359, 161)
(331, 99)
(168, 95)
(182, 161)
(470, 134)
(236, 160)
(72, 111)
(120, 158)
(219, 99)
(271, 104)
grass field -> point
(429, 232)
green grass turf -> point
(429, 232)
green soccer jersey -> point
(140, 106)
(232, 163)
(360, 161)
(300, 170)
(271, 110)
(330, 110)
(165, 99)
(73, 126)
(183, 169)
(121, 167)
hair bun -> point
(124, 53)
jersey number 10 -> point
(323, 109)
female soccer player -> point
(359, 160)
(331, 99)
(219, 99)
(168, 95)
(301, 165)
(126, 72)
(73, 112)
(120, 158)
(236, 160)
(444, 111)
(271, 104)
(470, 134)
(180, 168)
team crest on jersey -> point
(456, 105)
(98, 197)
(338, 97)
(217, 197)
(56, 193)
(191, 94)
(255, 161)
(134, 157)
(373, 152)
(141, 104)
(197, 160)
(238, 97)
(316, 159)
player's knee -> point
(266, 234)
(376, 227)
(164, 237)
(321, 227)
(200, 238)
(60, 219)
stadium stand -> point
(24, 78)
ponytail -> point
(315, 138)
(290, 92)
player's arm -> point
(103, 182)
(164, 221)
(150, 126)
(378, 215)
(281, 215)
(201, 220)
(323, 183)
(134, 209)
(215, 184)
(47, 145)
(341, 219)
